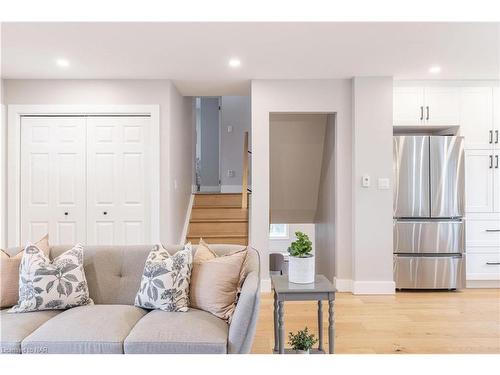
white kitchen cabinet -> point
(479, 189)
(426, 106)
(496, 181)
(483, 266)
(408, 105)
(496, 117)
(476, 117)
(442, 106)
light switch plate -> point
(365, 181)
(230, 128)
(383, 183)
(230, 173)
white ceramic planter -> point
(301, 270)
(302, 352)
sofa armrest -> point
(244, 320)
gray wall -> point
(176, 140)
(295, 154)
(372, 207)
(236, 112)
(209, 116)
(326, 263)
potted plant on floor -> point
(301, 261)
(302, 341)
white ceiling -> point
(195, 55)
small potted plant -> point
(302, 341)
(301, 261)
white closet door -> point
(118, 175)
(53, 179)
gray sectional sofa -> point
(114, 325)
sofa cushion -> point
(85, 329)
(56, 285)
(165, 280)
(162, 332)
(15, 327)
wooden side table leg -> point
(275, 313)
(331, 328)
(281, 326)
(320, 325)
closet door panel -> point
(53, 179)
(117, 208)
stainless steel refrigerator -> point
(429, 229)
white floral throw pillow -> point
(165, 280)
(56, 285)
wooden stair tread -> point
(222, 220)
(205, 206)
(219, 236)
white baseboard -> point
(343, 285)
(265, 285)
(208, 189)
(186, 221)
(230, 188)
(374, 287)
(483, 284)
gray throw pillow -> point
(56, 285)
(165, 280)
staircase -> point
(218, 218)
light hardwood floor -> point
(408, 322)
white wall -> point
(236, 112)
(326, 262)
(209, 148)
(323, 96)
(173, 124)
(277, 245)
(3, 168)
(372, 207)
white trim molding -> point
(343, 285)
(15, 112)
(373, 287)
(265, 285)
(186, 221)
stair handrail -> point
(244, 175)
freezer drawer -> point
(411, 176)
(421, 272)
(429, 237)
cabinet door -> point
(408, 105)
(442, 106)
(53, 179)
(118, 178)
(478, 181)
(496, 182)
(476, 117)
(496, 117)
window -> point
(278, 231)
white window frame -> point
(283, 236)
(15, 112)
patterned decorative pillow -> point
(165, 280)
(56, 285)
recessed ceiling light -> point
(63, 63)
(435, 69)
(234, 63)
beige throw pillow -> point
(215, 281)
(9, 273)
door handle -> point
(421, 113)
(496, 136)
(66, 213)
(496, 161)
(492, 230)
(493, 263)
(105, 213)
(427, 109)
(491, 161)
(491, 136)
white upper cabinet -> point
(496, 117)
(442, 106)
(476, 117)
(426, 106)
(408, 105)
